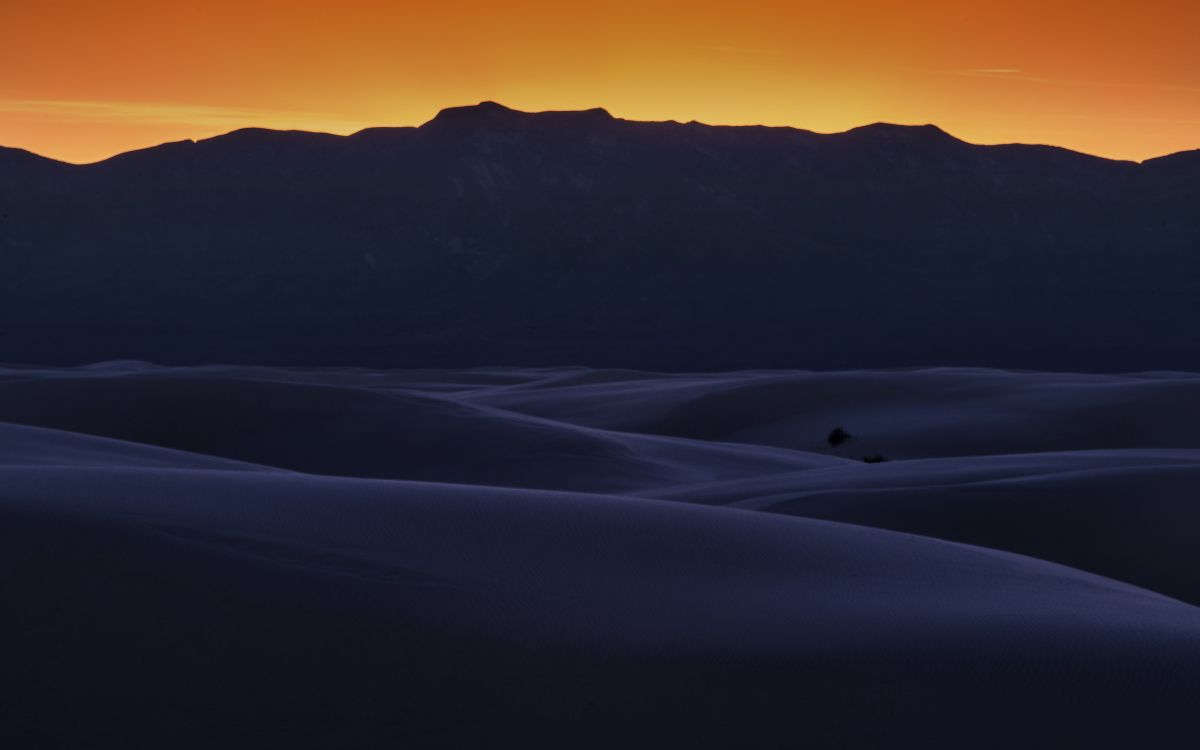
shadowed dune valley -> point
(228, 556)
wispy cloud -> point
(1016, 74)
(1148, 120)
(741, 50)
(145, 113)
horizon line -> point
(496, 106)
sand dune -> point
(247, 557)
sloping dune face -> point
(251, 557)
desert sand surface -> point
(236, 557)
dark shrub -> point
(838, 436)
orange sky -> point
(83, 80)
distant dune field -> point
(242, 557)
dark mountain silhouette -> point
(494, 236)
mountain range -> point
(492, 236)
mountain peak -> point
(489, 112)
(22, 156)
(892, 131)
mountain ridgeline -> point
(491, 236)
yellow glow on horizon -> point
(84, 80)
